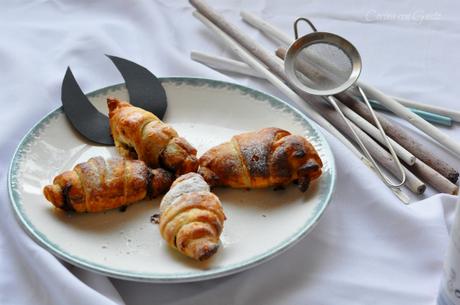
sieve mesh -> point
(323, 66)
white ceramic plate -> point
(261, 223)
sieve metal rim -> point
(322, 37)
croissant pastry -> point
(139, 134)
(99, 185)
(268, 157)
(191, 217)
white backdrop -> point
(368, 247)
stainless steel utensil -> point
(325, 64)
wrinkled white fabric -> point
(367, 249)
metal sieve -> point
(326, 64)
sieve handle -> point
(296, 22)
(363, 147)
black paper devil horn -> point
(144, 88)
(88, 121)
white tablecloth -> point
(368, 247)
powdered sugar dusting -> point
(194, 183)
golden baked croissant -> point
(191, 217)
(139, 134)
(268, 157)
(99, 185)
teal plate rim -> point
(199, 275)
